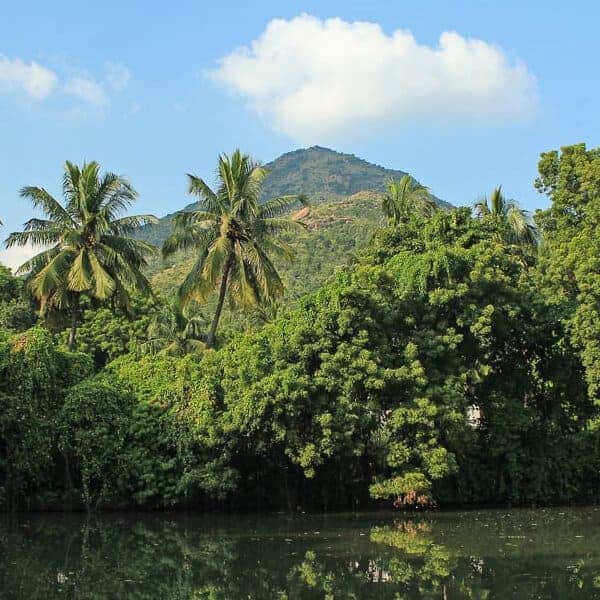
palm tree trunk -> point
(210, 340)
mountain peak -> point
(322, 173)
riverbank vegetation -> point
(455, 360)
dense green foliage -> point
(106, 333)
(92, 427)
(17, 311)
(570, 261)
(446, 364)
(34, 377)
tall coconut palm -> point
(515, 220)
(234, 236)
(87, 248)
(406, 196)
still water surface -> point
(544, 553)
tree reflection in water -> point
(445, 556)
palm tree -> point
(233, 235)
(515, 220)
(88, 251)
(174, 332)
(406, 196)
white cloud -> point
(88, 90)
(17, 255)
(312, 78)
(96, 93)
(117, 76)
(40, 82)
(31, 78)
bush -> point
(93, 426)
(34, 376)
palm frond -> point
(195, 286)
(278, 248)
(248, 187)
(522, 230)
(40, 198)
(35, 238)
(243, 288)
(88, 188)
(53, 275)
(271, 283)
(130, 276)
(406, 196)
(227, 190)
(114, 193)
(497, 202)
(183, 239)
(194, 217)
(135, 252)
(130, 224)
(275, 226)
(219, 253)
(79, 278)
(71, 188)
(208, 199)
(117, 201)
(281, 205)
(38, 262)
(104, 284)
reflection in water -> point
(478, 555)
(420, 563)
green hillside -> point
(345, 195)
(335, 230)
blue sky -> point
(153, 90)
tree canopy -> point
(569, 264)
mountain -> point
(324, 175)
(321, 174)
(345, 193)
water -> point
(553, 553)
